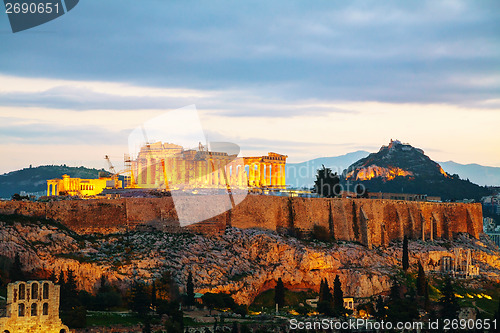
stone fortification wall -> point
(368, 221)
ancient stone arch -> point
(36, 310)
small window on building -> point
(22, 291)
(21, 310)
(34, 291)
(45, 309)
(33, 309)
(45, 290)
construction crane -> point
(115, 174)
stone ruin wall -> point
(368, 221)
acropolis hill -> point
(367, 221)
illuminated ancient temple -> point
(170, 166)
(80, 187)
(166, 165)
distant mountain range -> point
(298, 175)
(303, 174)
(481, 175)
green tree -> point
(75, 317)
(338, 298)
(279, 293)
(395, 293)
(325, 299)
(71, 285)
(61, 280)
(361, 191)
(401, 309)
(16, 270)
(190, 290)
(53, 277)
(406, 259)
(166, 288)
(448, 301)
(381, 312)
(218, 301)
(153, 294)
(327, 183)
(107, 296)
(69, 294)
(421, 281)
(427, 301)
(139, 300)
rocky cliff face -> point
(370, 222)
(243, 262)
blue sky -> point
(308, 79)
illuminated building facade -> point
(168, 166)
(33, 307)
(204, 169)
(79, 186)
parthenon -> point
(166, 165)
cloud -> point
(43, 134)
(85, 96)
(288, 76)
(363, 50)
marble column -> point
(148, 171)
(215, 173)
(274, 174)
(263, 172)
(283, 176)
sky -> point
(303, 78)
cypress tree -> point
(338, 297)
(16, 270)
(321, 291)
(421, 280)
(140, 300)
(395, 293)
(427, 303)
(190, 290)
(71, 285)
(279, 293)
(53, 277)
(153, 294)
(325, 299)
(448, 301)
(381, 312)
(61, 281)
(406, 260)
